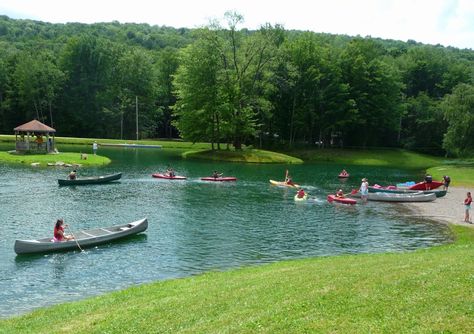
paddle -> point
(77, 243)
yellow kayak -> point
(301, 199)
(284, 184)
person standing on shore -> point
(467, 204)
(364, 190)
(446, 182)
(94, 147)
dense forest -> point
(227, 85)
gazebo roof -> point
(34, 126)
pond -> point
(194, 226)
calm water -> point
(193, 226)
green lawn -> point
(426, 291)
(394, 157)
(44, 159)
(460, 175)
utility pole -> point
(136, 111)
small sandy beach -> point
(447, 209)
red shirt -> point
(468, 201)
(57, 235)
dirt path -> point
(447, 209)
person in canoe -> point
(216, 175)
(72, 175)
(288, 179)
(428, 181)
(170, 172)
(300, 193)
(343, 173)
(58, 234)
(340, 193)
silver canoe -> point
(85, 238)
(404, 197)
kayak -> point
(167, 177)
(284, 184)
(219, 179)
(301, 199)
(344, 200)
(343, 176)
(426, 186)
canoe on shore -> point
(394, 197)
(284, 184)
(168, 177)
(438, 193)
(426, 186)
(90, 180)
(85, 238)
(343, 200)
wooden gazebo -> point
(34, 137)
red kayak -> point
(219, 179)
(344, 200)
(168, 177)
(426, 186)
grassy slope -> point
(396, 157)
(427, 291)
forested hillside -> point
(224, 84)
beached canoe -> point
(394, 197)
(168, 177)
(85, 238)
(89, 180)
(219, 179)
(438, 193)
(426, 186)
(343, 200)
(284, 184)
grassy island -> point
(425, 291)
(247, 155)
(43, 160)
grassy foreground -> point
(43, 159)
(426, 291)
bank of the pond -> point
(424, 291)
(42, 160)
(369, 157)
(246, 155)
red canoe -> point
(425, 186)
(166, 176)
(343, 176)
(344, 200)
(219, 179)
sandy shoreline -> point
(447, 209)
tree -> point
(458, 110)
(232, 71)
